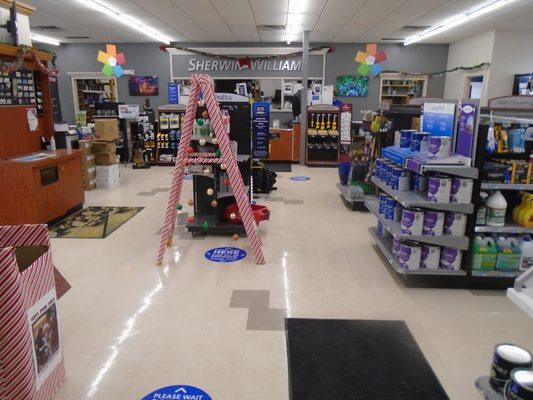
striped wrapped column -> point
(20, 292)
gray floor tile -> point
(250, 299)
(262, 319)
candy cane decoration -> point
(204, 83)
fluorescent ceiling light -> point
(458, 19)
(126, 20)
(44, 39)
(294, 20)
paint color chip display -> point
(225, 254)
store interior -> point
(247, 199)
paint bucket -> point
(392, 210)
(433, 223)
(382, 232)
(450, 258)
(419, 141)
(429, 256)
(439, 146)
(520, 386)
(439, 189)
(461, 191)
(378, 167)
(507, 357)
(405, 138)
(386, 172)
(412, 221)
(409, 255)
(419, 182)
(382, 203)
(454, 224)
(404, 180)
(396, 244)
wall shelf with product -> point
(212, 194)
(396, 89)
(170, 120)
(143, 134)
(91, 89)
(322, 139)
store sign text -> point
(233, 65)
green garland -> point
(441, 73)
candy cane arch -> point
(200, 82)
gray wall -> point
(148, 59)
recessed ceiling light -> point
(458, 19)
(126, 20)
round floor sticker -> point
(225, 254)
(300, 178)
(178, 392)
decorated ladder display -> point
(224, 156)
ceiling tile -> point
(241, 23)
(270, 12)
(336, 14)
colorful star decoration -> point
(112, 61)
(370, 60)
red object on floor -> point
(260, 213)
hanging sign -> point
(128, 111)
(466, 128)
(178, 392)
(260, 129)
(512, 102)
(438, 119)
(225, 254)
(173, 93)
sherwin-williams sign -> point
(233, 65)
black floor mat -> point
(357, 360)
(280, 167)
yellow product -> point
(523, 213)
(503, 141)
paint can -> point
(520, 386)
(378, 168)
(461, 190)
(439, 146)
(386, 173)
(419, 141)
(455, 223)
(405, 138)
(507, 357)
(409, 255)
(382, 203)
(433, 223)
(396, 244)
(404, 180)
(393, 182)
(382, 232)
(419, 182)
(439, 189)
(429, 256)
(450, 258)
(412, 221)
(392, 210)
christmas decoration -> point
(190, 150)
(370, 60)
(210, 192)
(226, 182)
(214, 140)
(235, 237)
(201, 103)
(190, 220)
(233, 216)
(202, 142)
(205, 225)
(206, 170)
(200, 122)
(245, 62)
(191, 202)
(112, 61)
(440, 73)
(179, 207)
(23, 52)
(205, 114)
(218, 153)
(214, 203)
(222, 166)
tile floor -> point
(129, 327)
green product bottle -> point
(484, 254)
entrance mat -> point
(62, 286)
(279, 167)
(93, 222)
(357, 359)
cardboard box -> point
(107, 183)
(104, 147)
(90, 185)
(106, 159)
(85, 146)
(108, 171)
(106, 129)
(89, 175)
(415, 123)
(88, 162)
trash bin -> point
(32, 359)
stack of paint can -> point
(444, 189)
(389, 207)
(511, 372)
(396, 177)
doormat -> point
(357, 359)
(93, 222)
(62, 286)
(279, 167)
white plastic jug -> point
(526, 247)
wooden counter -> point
(284, 144)
(39, 190)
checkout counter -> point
(284, 144)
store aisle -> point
(129, 327)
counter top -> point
(42, 158)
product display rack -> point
(322, 138)
(143, 133)
(170, 119)
(89, 92)
(397, 89)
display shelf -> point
(506, 186)
(462, 171)
(496, 274)
(385, 245)
(486, 391)
(522, 292)
(458, 242)
(354, 202)
(418, 199)
(454, 165)
(215, 225)
(508, 228)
